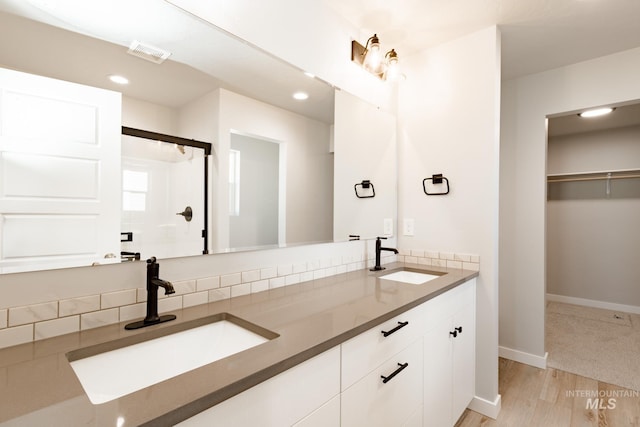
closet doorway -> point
(593, 245)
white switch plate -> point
(408, 226)
(388, 226)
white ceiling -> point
(537, 35)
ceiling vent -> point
(148, 52)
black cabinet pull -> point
(456, 331)
(394, 373)
(400, 325)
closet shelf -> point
(594, 176)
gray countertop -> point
(39, 387)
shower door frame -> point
(206, 146)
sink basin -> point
(408, 276)
(114, 369)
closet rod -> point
(592, 178)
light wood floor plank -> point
(533, 397)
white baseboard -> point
(522, 357)
(486, 407)
(593, 303)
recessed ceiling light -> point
(301, 96)
(597, 112)
(119, 79)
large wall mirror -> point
(212, 87)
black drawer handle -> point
(456, 331)
(400, 326)
(394, 373)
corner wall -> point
(525, 104)
(449, 123)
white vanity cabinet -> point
(301, 394)
(449, 355)
(416, 369)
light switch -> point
(408, 226)
(388, 227)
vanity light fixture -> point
(301, 96)
(597, 112)
(371, 59)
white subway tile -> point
(269, 273)
(446, 255)
(79, 305)
(239, 290)
(475, 258)
(291, 279)
(411, 259)
(170, 304)
(184, 287)
(219, 294)
(417, 253)
(299, 268)
(276, 282)
(285, 269)
(400, 258)
(134, 311)
(206, 283)
(336, 261)
(99, 318)
(230, 279)
(118, 298)
(3, 318)
(424, 261)
(462, 257)
(341, 269)
(259, 286)
(15, 336)
(313, 265)
(432, 254)
(195, 299)
(454, 264)
(439, 262)
(55, 327)
(347, 259)
(473, 266)
(33, 313)
(250, 276)
(142, 294)
(325, 263)
(306, 276)
(330, 271)
(319, 274)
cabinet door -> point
(438, 364)
(371, 402)
(464, 354)
(280, 401)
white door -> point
(59, 173)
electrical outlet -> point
(388, 227)
(408, 226)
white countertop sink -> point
(411, 277)
(111, 374)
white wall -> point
(309, 166)
(591, 234)
(449, 115)
(525, 104)
(365, 149)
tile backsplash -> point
(28, 323)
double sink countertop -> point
(39, 387)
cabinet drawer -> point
(371, 402)
(363, 353)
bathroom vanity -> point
(343, 348)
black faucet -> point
(153, 283)
(379, 249)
